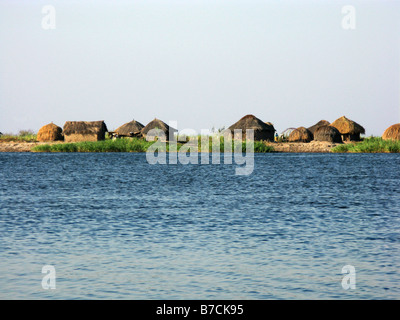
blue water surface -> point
(116, 227)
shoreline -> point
(279, 147)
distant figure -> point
(276, 136)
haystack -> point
(317, 125)
(130, 129)
(262, 130)
(50, 132)
(328, 133)
(301, 134)
(392, 133)
(349, 129)
(75, 131)
(160, 126)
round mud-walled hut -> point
(318, 124)
(301, 134)
(158, 128)
(328, 133)
(130, 129)
(50, 132)
(76, 131)
(262, 130)
(349, 129)
(392, 133)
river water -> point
(115, 227)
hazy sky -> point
(201, 63)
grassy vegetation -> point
(131, 145)
(369, 145)
(118, 145)
(22, 136)
(259, 146)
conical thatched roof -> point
(317, 125)
(158, 124)
(262, 130)
(84, 127)
(347, 126)
(130, 128)
(301, 134)
(252, 122)
(327, 133)
(392, 133)
(50, 132)
(269, 123)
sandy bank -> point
(20, 146)
(312, 147)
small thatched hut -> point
(286, 133)
(159, 125)
(392, 133)
(328, 133)
(262, 130)
(75, 131)
(301, 134)
(130, 129)
(50, 132)
(317, 125)
(349, 129)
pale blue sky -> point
(201, 63)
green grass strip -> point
(369, 145)
(131, 145)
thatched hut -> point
(130, 129)
(286, 133)
(317, 125)
(159, 125)
(50, 132)
(262, 130)
(328, 133)
(75, 131)
(301, 134)
(349, 129)
(392, 133)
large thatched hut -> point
(392, 133)
(160, 126)
(262, 130)
(75, 131)
(50, 132)
(301, 134)
(317, 125)
(130, 129)
(328, 133)
(349, 129)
